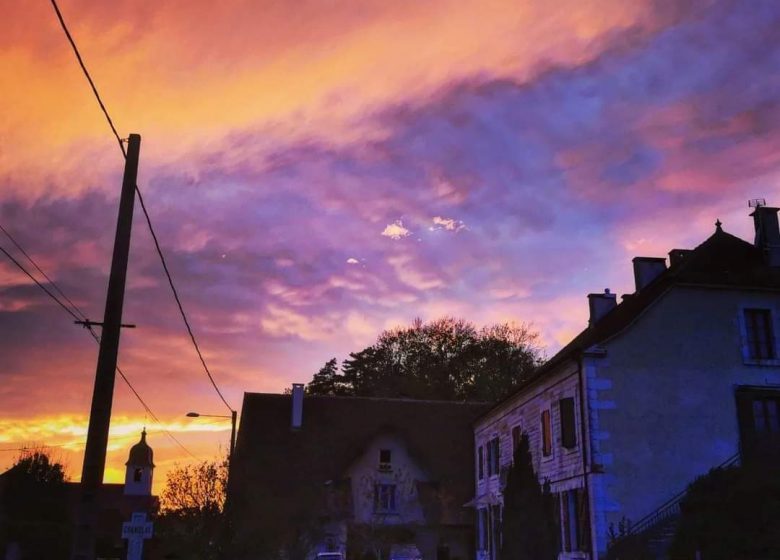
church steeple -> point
(140, 467)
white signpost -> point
(136, 531)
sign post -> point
(136, 531)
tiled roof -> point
(336, 430)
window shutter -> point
(546, 433)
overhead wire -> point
(89, 78)
(75, 314)
(178, 301)
(41, 286)
(38, 268)
(143, 206)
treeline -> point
(444, 359)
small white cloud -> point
(396, 230)
(448, 224)
(352, 260)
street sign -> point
(136, 531)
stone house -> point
(364, 477)
(681, 376)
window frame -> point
(574, 440)
(749, 357)
(385, 498)
(494, 456)
(517, 436)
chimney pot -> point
(297, 406)
(676, 256)
(600, 305)
(647, 269)
(767, 234)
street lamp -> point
(232, 419)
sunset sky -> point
(319, 171)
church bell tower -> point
(140, 466)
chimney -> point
(600, 305)
(647, 269)
(297, 406)
(676, 256)
(767, 234)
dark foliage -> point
(327, 381)
(529, 528)
(446, 359)
(33, 507)
(731, 513)
(191, 523)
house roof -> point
(335, 432)
(722, 260)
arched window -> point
(137, 475)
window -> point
(493, 456)
(568, 425)
(546, 434)
(385, 459)
(765, 417)
(384, 498)
(480, 461)
(495, 534)
(517, 435)
(760, 338)
(137, 475)
(574, 520)
(482, 529)
(758, 415)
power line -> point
(41, 286)
(38, 268)
(89, 78)
(143, 206)
(34, 446)
(89, 328)
(176, 297)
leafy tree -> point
(529, 528)
(34, 506)
(327, 381)
(447, 359)
(731, 513)
(191, 522)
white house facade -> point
(680, 377)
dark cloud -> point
(553, 178)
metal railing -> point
(671, 507)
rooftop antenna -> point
(756, 202)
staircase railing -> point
(671, 507)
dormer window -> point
(385, 460)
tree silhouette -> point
(34, 506)
(528, 528)
(191, 521)
(446, 359)
(327, 381)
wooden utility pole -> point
(103, 394)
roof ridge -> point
(367, 398)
